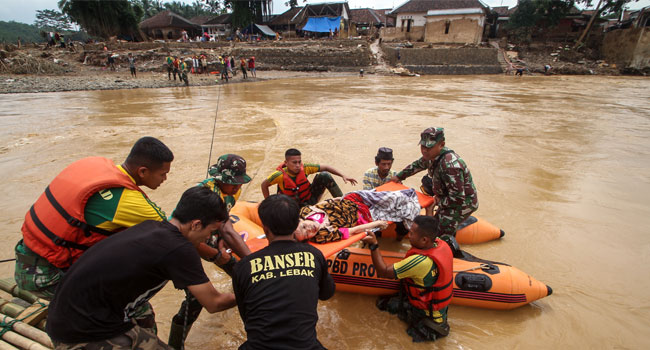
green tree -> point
(197, 8)
(247, 12)
(11, 31)
(537, 15)
(104, 18)
(52, 20)
(150, 8)
(608, 7)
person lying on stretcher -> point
(339, 218)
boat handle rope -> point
(214, 128)
(482, 267)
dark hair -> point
(291, 152)
(149, 152)
(427, 226)
(200, 203)
(280, 214)
(379, 159)
(383, 153)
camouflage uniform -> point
(34, 273)
(452, 182)
(229, 169)
(136, 338)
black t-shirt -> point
(99, 293)
(277, 290)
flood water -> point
(561, 164)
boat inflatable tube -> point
(478, 283)
(471, 231)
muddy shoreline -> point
(32, 83)
(33, 69)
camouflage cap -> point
(230, 169)
(430, 136)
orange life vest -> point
(299, 189)
(54, 226)
(437, 296)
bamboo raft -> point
(22, 327)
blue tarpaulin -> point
(322, 24)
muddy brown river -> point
(561, 164)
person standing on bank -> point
(131, 60)
(226, 179)
(381, 173)
(291, 178)
(98, 297)
(448, 179)
(426, 275)
(277, 288)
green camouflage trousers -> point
(421, 327)
(35, 274)
(322, 181)
(137, 338)
(450, 218)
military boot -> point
(177, 334)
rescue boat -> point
(478, 283)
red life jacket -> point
(299, 189)
(437, 296)
(54, 226)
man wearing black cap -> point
(226, 178)
(451, 181)
(382, 173)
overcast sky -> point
(25, 11)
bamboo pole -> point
(41, 325)
(34, 313)
(10, 309)
(22, 342)
(9, 286)
(29, 331)
(6, 346)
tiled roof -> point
(200, 19)
(221, 19)
(501, 10)
(166, 19)
(285, 17)
(382, 13)
(365, 16)
(426, 5)
(330, 9)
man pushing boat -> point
(448, 179)
(426, 277)
(226, 179)
(98, 298)
(88, 201)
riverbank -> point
(36, 68)
(30, 83)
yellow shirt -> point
(116, 208)
(276, 177)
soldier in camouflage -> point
(448, 179)
(226, 178)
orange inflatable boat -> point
(477, 283)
